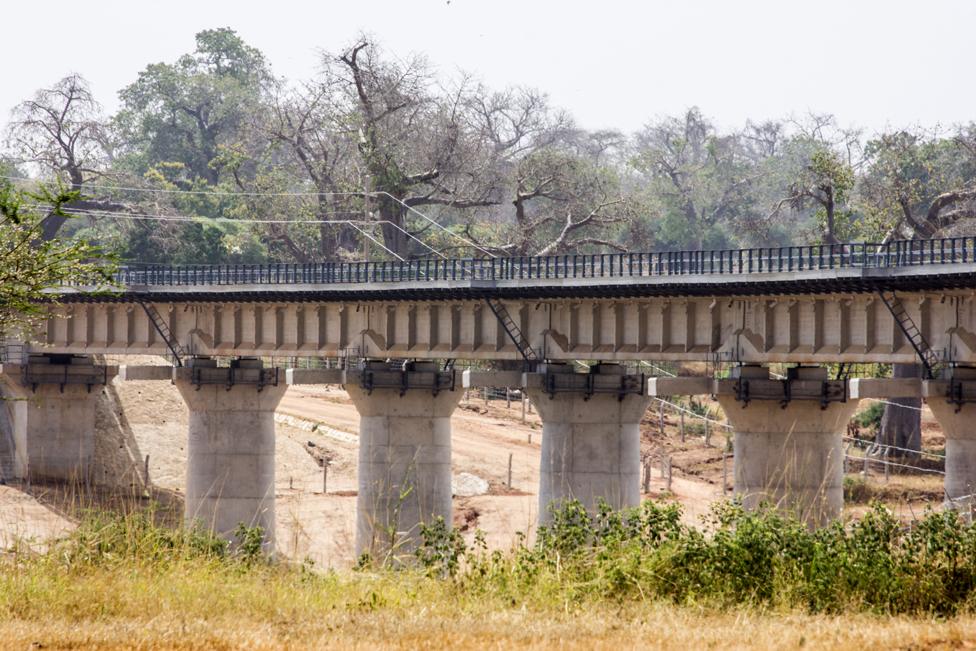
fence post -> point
(708, 433)
(725, 471)
(485, 395)
(660, 416)
(682, 426)
(647, 475)
(509, 469)
(667, 478)
(508, 398)
(146, 473)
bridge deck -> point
(903, 265)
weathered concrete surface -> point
(404, 465)
(792, 456)
(230, 455)
(53, 423)
(590, 445)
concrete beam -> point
(471, 379)
(679, 386)
(155, 373)
(802, 328)
(314, 376)
(867, 388)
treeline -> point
(212, 158)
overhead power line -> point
(225, 193)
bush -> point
(870, 418)
(757, 558)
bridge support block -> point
(230, 474)
(49, 416)
(404, 454)
(590, 436)
(952, 400)
(788, 453)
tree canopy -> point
(212, 158)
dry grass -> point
(202, 605)
(437, 627)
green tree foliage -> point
(192, 112)
(343, 164)
(30, 266)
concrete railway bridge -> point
(900, 302)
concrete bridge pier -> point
(49, 416)
(590, 435)
(404, 453)
(788, 443)
(952, 400)
(230, 474)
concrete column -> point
(590, 441)
(230, 474)
(50, 416)
(404, 454)
(789, 454)
(958, 421)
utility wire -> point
(174, 218)
(223, 193)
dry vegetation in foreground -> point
(641, 579)
(440, 625)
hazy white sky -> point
(611, 63)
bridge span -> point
(900, 302)
(815, 304)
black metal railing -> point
(902, 253)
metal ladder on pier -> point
(929, 359)
(160, 325)
(513, 331)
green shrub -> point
(870, 418)
(759, 558)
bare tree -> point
(414, 143)
(60, 131)
(312, 126)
